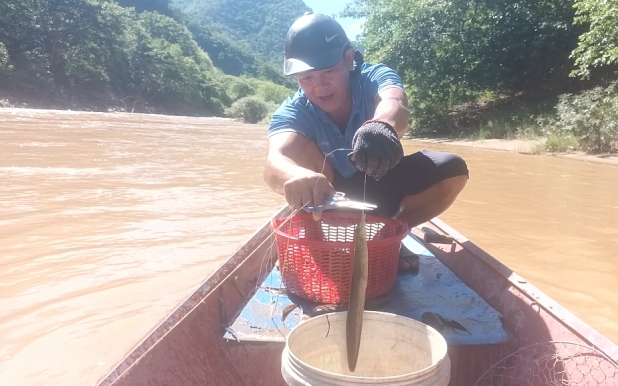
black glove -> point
(376, 148)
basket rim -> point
(399, 235)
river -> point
(108, 221)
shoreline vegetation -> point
(530, 146)
(523, 146)
(142, 56)
(535, 70)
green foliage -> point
(96, 48)
(240, 87)
(49, 40)
(513, 121)
(599, 45)
(250, 109)
(260, 25)
(230, 56)
(591, 117)
(270, 92)
(560, 143)
(163, 7)
(161, 71)
(4, 59)
(236, 87)
(268, 71)
(167, 29)
(449, 52)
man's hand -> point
(376, 148)
(309, 189)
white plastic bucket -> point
(394, 350)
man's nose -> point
(321, 81)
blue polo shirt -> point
(297, 114)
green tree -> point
(269, 91)
(250, 109)
(448, 52)
(231, 57)
(164, 7)
(4, 59)
(599, 45)
(168, 68)
(54, 43)
(259, 24)
(99, 51)
(591, 117)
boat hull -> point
(188, 347)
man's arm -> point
(376, 143)
(392, 107)
(290, 169)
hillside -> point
(229, 54)
(129, 55)
(258, 24)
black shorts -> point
(414, 174)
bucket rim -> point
(415, 374)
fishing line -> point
(324, 163)
(365, 189)
(262, 266)
(331, 153)
(281, 268)
(273, 242)
(249, 255)
(217, 286)
(328, 331)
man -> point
(341, 132)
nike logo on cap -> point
(328, 39)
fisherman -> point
(341, 132)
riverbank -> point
(86, 193)
(57, 101)
(524, 146)
(93, 102)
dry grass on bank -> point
(524, 146)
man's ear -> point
(349, 59)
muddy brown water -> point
(108, 221)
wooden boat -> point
(218, 336)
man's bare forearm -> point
(299, 185)
(280, 169)
(393, 112)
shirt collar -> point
(356, 103)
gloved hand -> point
(376, 148)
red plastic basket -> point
(316, 258)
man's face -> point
(330, 88)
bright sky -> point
(352, 27)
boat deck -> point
(227, 334)
(435, 288)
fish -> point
(374, 304)
(356, 307)
(434, 320)
(287, 310)
(439, 322)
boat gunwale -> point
(245, 252)
(191, 302)
(558, 312)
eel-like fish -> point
(354, 320)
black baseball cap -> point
(313, 42)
